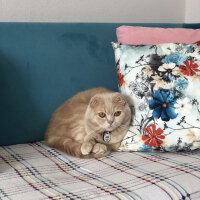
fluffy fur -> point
(78, 125)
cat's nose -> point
(110, 122)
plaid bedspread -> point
(34, 171)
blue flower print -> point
(181, 84)
(162, 105)
(145, 148)
(177, 58)
(188, 49)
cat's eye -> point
(117, 113)
(102, 114)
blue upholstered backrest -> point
(44, 64)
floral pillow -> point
(162, 83)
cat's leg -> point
(99, 148)
(94, 150)
(87, 147)
(102, 148)
(67, 145)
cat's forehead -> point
(116, 99)
(107, 108)
(108, 102)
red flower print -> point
(154, 137)
(120, 78)
(190, 68)
(197, 43)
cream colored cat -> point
(89, 125)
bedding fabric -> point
(34, 171)
(162, 81)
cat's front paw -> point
(99, 148)
(86, 148)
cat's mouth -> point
(110, 127)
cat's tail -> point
(71, 147)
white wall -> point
(172, 11)
(192, 11)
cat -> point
(90, 125)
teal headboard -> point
(43, 64)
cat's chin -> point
(110, 128)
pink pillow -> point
(148, 35)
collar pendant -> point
(106, 136)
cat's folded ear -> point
(95, 100)
(119, 99)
